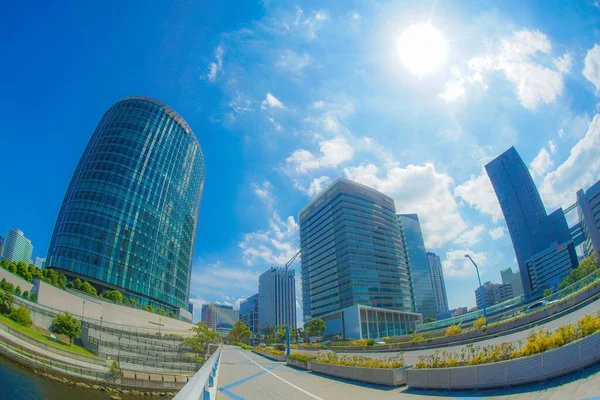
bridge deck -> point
(244, 375)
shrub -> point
(18, 290)
(361, 361)
(370, 342)
(6, 302)
(359, 343)
(132, 302)
(244, 346)
(33, 296)
(161, 312)
(418, 339)
(194, 359)
(89, 289)
(21, 316)
(301, 357)
(171, 314)
(453, 330)
(267, 350)
(479, 323)
(26, 294)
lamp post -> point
(287, 307)
(482, 287)
(82, 312)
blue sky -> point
(284, 97)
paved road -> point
(412, 356)
(245, 375)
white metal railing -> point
(203, 384)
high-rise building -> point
(128, 220)
(439, 286)
(1, 245)
(588, 209)
(420, 273)
(249, 313)
(277, 298)
(219, 317)
(39, 262)
(495, 293)
(355, 273)
(17, 247)
(514, 279)
(534, 234)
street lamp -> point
(287, 306)
(82, 312)
(483, 287)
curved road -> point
(412, 356)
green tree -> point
(77, 283)
(6, 302)
(114, 295)
(171, 314)
(89, 289)
(161, 311)
(4, 263)
(8, 287)
(33, 296)
(428, 319)
(202, 336)
(316, 327)
(547, 292)
(18, 290)
(26, 294)
(67, 325)
(132, 302)
(268, 331)
(12, 268)
(21, 316)
(239, 333)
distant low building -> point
(514, 279)
(40, 262)
(459, 311)
(219, 317)
(494, 293)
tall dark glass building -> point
(542, 242)
(128, 220)
(419, 266)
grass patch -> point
(46, 340)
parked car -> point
(280, 347)
(536, 305)
(262, 345)
(379, 341)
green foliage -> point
(547, 292)
(316, 327)
(114, 295)
(268, 331)
(26, 294)
(202, 336)
(33, 296)
(89, 289)
(161, 311)
(171, 314)
(244, 346)
(301, 357)
(586, 267)
(7, 287)
(361, 361)
(479, 323)
(239, 333)
(18, 290)
(370, 342)
(21, 316)
(268, 350)
(6, 302)
(77, 283)
(428, 319)
(132, 302)
(67, 325)
(193, 359)
(12, 268)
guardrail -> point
(203, 385)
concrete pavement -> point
(245, 375)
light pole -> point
(482, 287)
(287, 307)
(82, 312)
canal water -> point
(17, 382)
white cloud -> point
(535, 83)
(271, 102)
(334, 152)
(496, 233)
(580, 170)
(215, 67)
(470, 237)
(241, 104)
(273, 246)
(561, 133)
(541, 163)
(265, 193)
(417, 189)
(457, 265)
(591, 69)
(478, 193)
(312, 24)
(552, 146)
(355, 16)
(293, 61)
(564, 63)
(453, 90)
(318, 184)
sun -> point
(422, 49)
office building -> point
(534, 233)
(420, 273)
(514, 279)
(588, 210)
(1, 245)
(495, 293)
(277, 298)
(39, 262)
(219, 317)
(355, 273)
(249, 313)
(129, 216)
(17, 247)
(437, 280)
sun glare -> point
(422, 49)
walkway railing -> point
(203, 385)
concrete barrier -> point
(276, 357)
(379, 376)
(299, 363)
(547, 365)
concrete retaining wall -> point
(16, 280)
(276, 357)
(298, 363)
(379, 376)
(547, 365)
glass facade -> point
(17, 247)
(249, 313)
(352, 252)
(128, 219)
(588, 210)
(531, 229)
(418, 265)
(437, 281)
(277, 298)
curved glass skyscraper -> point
(128, 220)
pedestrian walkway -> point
(244, 375)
